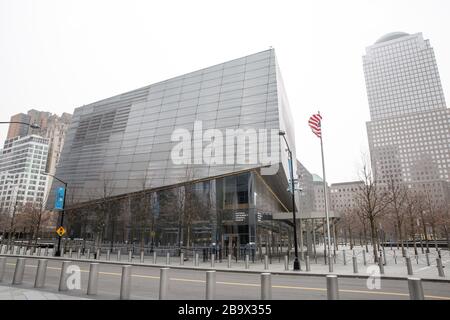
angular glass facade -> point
(119, 155)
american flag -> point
(314, 123)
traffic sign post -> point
(60, 204)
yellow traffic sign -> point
(61, 231)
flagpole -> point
(330, 263)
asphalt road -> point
(190, 284)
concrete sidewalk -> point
(15, 293)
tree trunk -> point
(400, 234)
(365, 237)
(373, 239)
(426, 235)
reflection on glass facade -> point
(118, 158)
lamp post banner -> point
(59, 201)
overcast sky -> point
(58, 55)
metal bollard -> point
(197, 263)
(19, 270)
(125, 283)
(308, 266)
(41, 272)
(266, 262)
(46, 251)
(97, 255)
(182, 258)
(381, 264)
(395, 257)
(118, 255)
(355, 264)
(439, 267)
(108, 254)
(332, 287)
(70, 253)
(93, 279)
(142, 256)
(88, 254)
(168, 258)
(18, 250)
(229, 261)
(130, 256)
(408, 265)
(163, 283)
(213, 257)
(154, 257)
(210, 284)
(415, 289)
(364, 257)
(247, 265)
(427, 256)
(78, 253)
(417, 259)
(2, 267)
(344, 258)
(63, 276)
(266, 286)
(286, 263)
(39, 251)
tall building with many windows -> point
(22, 163)
(409, 130)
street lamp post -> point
(296, 261)
(58, 250)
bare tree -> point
(372, 202)
(397, 193)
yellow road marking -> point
(257, 285)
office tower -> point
(22, 163)
(51, 127)
(409, 127)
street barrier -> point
(168, 258)
(93, 279)
(181, 258)
(308, 266)
(343, 257)
(2, 267)
(427, 256)
(266, 262)
(286, 263)
(213, 257)
(19, 270)
(196, 262)
(108, 254)
(125, 283)
(229, 261)
(364, 257)
(408, 265)
(130, 256)
(142, 256)
(266, 286)
(439, 267)
(247, 264)
(97, 255)
(332, 287)
(163, 283)
(210, 284)
(415, 289)
(63, 277)
(154, 257)
(118, 255)
(355, 264)
(78, 253)
(41, 272)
